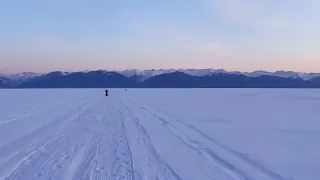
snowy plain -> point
(165, 134)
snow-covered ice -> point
(160, 134)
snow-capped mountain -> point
(145, 73)
(257, 73)
(163, 78)
(284, 74)
(194, 72)
(142, 75)
(20, 76)
(201, 72)
(207, 72)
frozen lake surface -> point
(160, 134)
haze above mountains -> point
(162, 78)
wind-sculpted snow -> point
(150, 134)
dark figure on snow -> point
(106, 92)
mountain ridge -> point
(164, 78)
(148, 73)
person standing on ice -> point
(106, 92)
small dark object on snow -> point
(106, 92)
(125, 90)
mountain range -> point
(162, 78)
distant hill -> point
(202, 78)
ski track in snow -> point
(115, 138)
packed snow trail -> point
(88, 142)
(123, 137)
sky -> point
(241, 35)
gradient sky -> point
(244, 35)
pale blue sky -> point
(244, 35)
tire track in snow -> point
(92, 171)
(57, 165)
(102, 152)
(230, 168)
(28, 160)
(208, 155)
(160, 167)
(26, 114)
(223, 173)
(88, 142)
(107, 155)
(122, 161)
(38, 134)
(82, 156)
(110, 158)
(32, 111)
(216, 161)
(241, 156)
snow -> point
(129, 72)
(176, 134)
(207, 72)
(194, 72)
(284, 74)
(198, 72)
(21, 76)
(145, 73)
(201, 72)
(257, 73)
